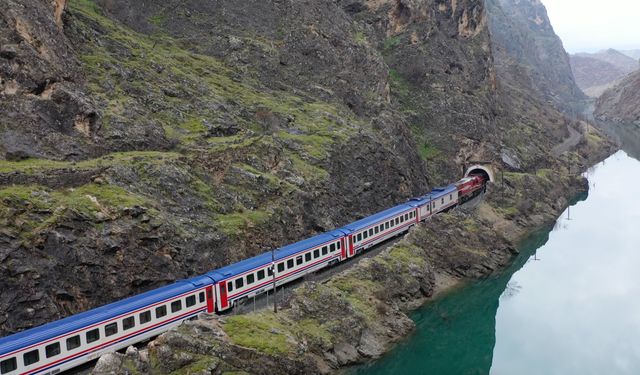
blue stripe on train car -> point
(265, 258)
(88, 318)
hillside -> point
(144, 142)
(596, 72)
(529, 55)
(619, 104)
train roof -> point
(75, 322)
(265, 258)
(441, 191)
(380, 216)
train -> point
(75, 340)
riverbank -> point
(358, 315)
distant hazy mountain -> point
(597, 72)
(633, 53)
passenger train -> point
(80, 338)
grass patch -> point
(263, 332)
(312, 329)
(30, 209)
(360, 38)
(428, 152)
(237, 222)
(33, 165)
(391, 42)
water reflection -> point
(456, 335)
(578, 312)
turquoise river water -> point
(569, 304)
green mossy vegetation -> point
(28, 210)
(235, 223)
(33, 165)
(264, 332)
(391, 42)
(428, 152)
(192, 75)
(160, 81)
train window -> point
(376, 230)
(386, 225)
(307, 257)
(251, 278)
(402, 219)
(201, 297)
(450, 197)
(406, 217)
(365, 234)
(280, 267)
(52, 350)
(397, 221)
(111, 329)
(298, 260)
(161, 311)
(332, 247)
(144, 317)
(270, 271)
(176, 306)
(290, 264)
(93, 335)
(442, 201)
(316, 253)
(239, 283)
(73, 342)
(324, 250)
(260, 274)
(128, 323)
(191, 300)
(339, 245)
(229, 286)
(359, 237)
(8, 365)
(370, 232)
(31, 357)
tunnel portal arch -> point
(483, 170)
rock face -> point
(620, 103)
(145, 142)
(596, 72)
(528, 53)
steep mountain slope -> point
(150, 141)
(596, 72)
(620, 103)
(210, 133)
(529, 55)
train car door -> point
(350, 245)
(210, 300)
(224, 300)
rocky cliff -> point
(620, 103)
(529, 55)
(596, 72)
(145, 142)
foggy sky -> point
(592, 25)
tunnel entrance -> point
(481, 170)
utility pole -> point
(502, 183)
(273, 274)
